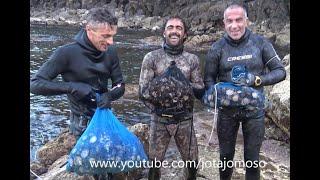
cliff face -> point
(202, 15)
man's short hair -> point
(100, 16)
(233, 6)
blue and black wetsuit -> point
(260, 58)
(79, 61)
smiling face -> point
(101, 35)
(235, 22)
(174, 32)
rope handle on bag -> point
(215, 116)
(38, 177)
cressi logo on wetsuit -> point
(238, 58)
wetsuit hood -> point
(173, 50)
(89, 50)
(233, 42)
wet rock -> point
(149, 22)
(131, 91)
(58, 171)
(198, 40)
(51, 22)
(62, 19)
(203, 42)
(275, 13)
(279, 97)
(272, 171)
(153, 40)
(272, 131)
(56, 148)
(282, 42)
(264, 157)
(155, 28)
(59, 162)
(283, 37)
(142, 132)
(141, 21)
(269, 166)
(38, 169)
(122, 22)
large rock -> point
(142, 132)
(152, 22)
(275, 13)
(131, 91)
(279, 110)
(153, 40)
(37, 169)
(204, 41)
(58, 171)
(282, 42)
(272, 131)
(56, 148)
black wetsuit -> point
(261, 59)
(79, 61)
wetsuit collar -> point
(233, 42)
(90, 51)
(172, 50)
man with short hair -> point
(240, 46)
(85, 67)
(164, 126)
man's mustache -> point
(174, 34)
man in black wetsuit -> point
(240, 46)
(85, 67)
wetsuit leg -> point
(78, 124)
(186, 142)
(253, 133)
(227, 127)
(158, 144)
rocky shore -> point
(203, 18)
(52, 156)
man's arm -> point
(211, 66)
(41, 83)
(272, 61)
(118, 85)
(196, 79)
(146, 75)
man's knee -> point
(227, 155)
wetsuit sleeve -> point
(272, 61)
(42, 82)
(146, 75)
(211, 66)
(118, 86)
(196, 79)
